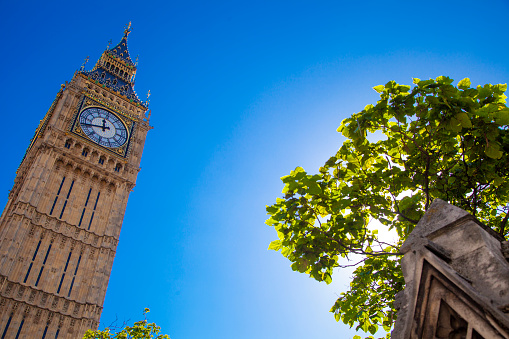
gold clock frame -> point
(87, 102)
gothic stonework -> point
(60, 228)
(456, 279)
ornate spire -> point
(115, 69)
(128, 28)
(84, 63)
(120, 50)
(147, 102)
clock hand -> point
(103, 127)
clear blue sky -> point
(242, 93)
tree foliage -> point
(140, 330)
(438, 141)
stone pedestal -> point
(457, 279)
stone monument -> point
(457, 279)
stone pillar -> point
(456, 276)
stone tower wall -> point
(60, 228)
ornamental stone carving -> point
(457, 279)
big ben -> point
(60, 227)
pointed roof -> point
(115, 70)
(121, 51)
(440, 215)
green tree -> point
(140, 330)
(439, 141)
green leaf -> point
(271, 209)
(444, 80)
(286, 251)
(327, 278)
(140, 330)
(404, 88)
(464, 84)
(502, 117)
(301, 265)
(271, 222)
(464, 120)
(455, 125)
(498, 181)
(287, 178)
(379, 88)
(275, 245)
(493, 151)
(314, 188)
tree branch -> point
(504, 222)
(426, 181)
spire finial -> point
(109, 44)
(148, 98)
(136, 62)
(128, 29)
(84, 63)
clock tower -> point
(60, 228)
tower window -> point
(93, 212)
(63, 274)
(84, 153)
(67, 145)
(56, 198)
(66, 199)
(74, 276)
(32, 263)
(85, 207)
(7, 327)
(45, 331)
(101, 160)
(42, 267)
(20, 327)
(117, 168)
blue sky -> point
(242, 93)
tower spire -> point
(84, 63)
(128, 29)
(148, 99)
(116, 70)
(120, 50)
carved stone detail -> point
(457, 279)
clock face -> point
(103, 127)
